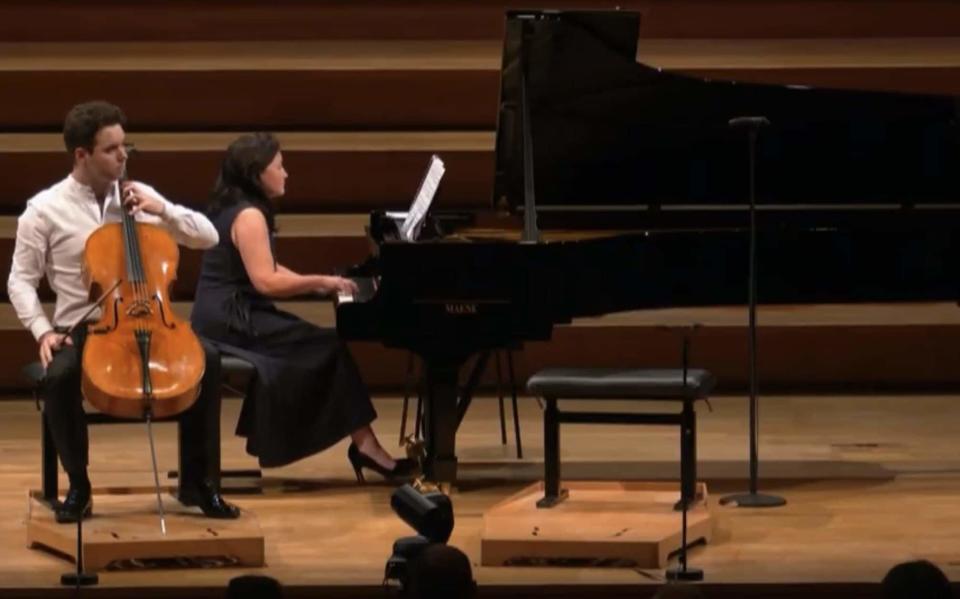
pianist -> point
(308, 393)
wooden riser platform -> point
(630, 524)
(125, 529)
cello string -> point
(136, 274)
(139, 292)
(137, 261)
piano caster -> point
(425, 486)
(415, 449)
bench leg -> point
(212, 461)
(552, 493)
(214, 472)
(688, 456)
(503, 417)
(418, 417)
(407, 384)
(513, 397)
(49, 481)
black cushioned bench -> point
(681, 385)
(235, 373)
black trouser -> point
(199, 425)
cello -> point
(140, 361)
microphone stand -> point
(752, 498)
(79, 578)
(683, 572)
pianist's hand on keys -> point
(339, 286)
(363, 289)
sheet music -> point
(411, 225)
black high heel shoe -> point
(403, 469)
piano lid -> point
(608, 131)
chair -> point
(466, 396)
(233, 370)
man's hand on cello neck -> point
(138, 197)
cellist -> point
(51, 234)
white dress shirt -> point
(51, 234)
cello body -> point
(139, 359)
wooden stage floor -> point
(870, 481)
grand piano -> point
(619, 186)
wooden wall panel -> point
(795, 359)
(860, 359)
(302, 254)
(458, 19)
(320, 181)
(916, 80)
(252, 100)
(325, 101)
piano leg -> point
(466, 394)
(440, 420)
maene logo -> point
(458, 309)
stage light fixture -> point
(430, 514)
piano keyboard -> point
(366, 289)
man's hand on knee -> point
(50, 343)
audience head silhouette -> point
(916, 580)
(440, 572)
(252, 586)
(678, 591)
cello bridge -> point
(139, 308)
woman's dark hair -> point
(82, 123)
(239, 179)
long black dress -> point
(308, 394)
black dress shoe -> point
(208, 499)
(77, 504)
(403, 469)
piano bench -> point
(233, 371)
(685, 386)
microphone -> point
(748, 122)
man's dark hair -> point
(440, 572)
(252, 586)
(916, 579)
(239, 179)
(82, 123)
